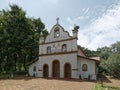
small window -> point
(49, 49)
(34, 68)
(64, 48)
(84, 67)
(56, 32)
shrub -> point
(21, 72)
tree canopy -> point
(19, 36)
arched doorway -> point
(67, 70)
(56, 69)
(45, 71)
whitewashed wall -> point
(31, 72)
(63, 34)
(71, 46)
(69, 58)
(91, 68)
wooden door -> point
(67, 71)
(56, 69)
(45, 71)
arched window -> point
(49, 49)
(64, 48)
(56, 32)
(34, 68)
(84, 67)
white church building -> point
(60, 57)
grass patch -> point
(104, 87)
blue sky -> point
(99, 20)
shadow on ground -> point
(104, 79)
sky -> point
(99, 20)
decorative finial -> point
(76, 27)
(57, 19)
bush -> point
(4, 75)
(21, 72)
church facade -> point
(60, 57)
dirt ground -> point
(44, 84)
(28, 83)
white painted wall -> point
(31, 72)
(71, 46)
(68, 58)
(63, 34)
(91, 68)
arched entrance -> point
(45, 71)
(67, 70)
(56, 69)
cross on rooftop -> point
(57, 19)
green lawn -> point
(104, 87)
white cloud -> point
(103, 31)
(85, 10)
(76, 20)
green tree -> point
(19, 38)
(110, 60)
(116, 47)
(89, 53)
(104, 52)
(113, 65)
